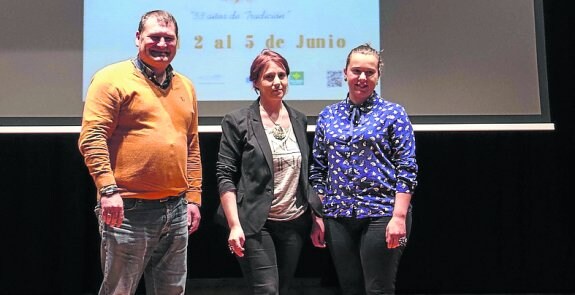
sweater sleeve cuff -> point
(194, 197)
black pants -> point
(271, 256)
(363, 263)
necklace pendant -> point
(278, 132)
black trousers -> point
(271, 256)
(363, 263)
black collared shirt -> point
(149, 73)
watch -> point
(109, 190)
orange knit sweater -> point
(140, 137)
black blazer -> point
(245, 165)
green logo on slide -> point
(296, 78)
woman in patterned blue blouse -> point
(364, 171)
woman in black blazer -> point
(262, 172)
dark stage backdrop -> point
(492, 214)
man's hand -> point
(194, 217)
(112, 209)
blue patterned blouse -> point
(362, 156)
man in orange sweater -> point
(139, 139)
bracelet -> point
(109, 190)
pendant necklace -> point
(278, 132)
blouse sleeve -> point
(319, 165)
(403, 153)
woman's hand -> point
(236, 241)
(395, 232)
(237, 238)
(317, 231)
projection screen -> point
(453, 64)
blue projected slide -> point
(220, 38)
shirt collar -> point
(366, 106)
(149, 73)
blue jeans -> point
(271, 256)
(152, 240)
(363, 263)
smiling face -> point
(157, 43)
(362, 75)
(272, 83)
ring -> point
(231, 249)
(402, 241)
